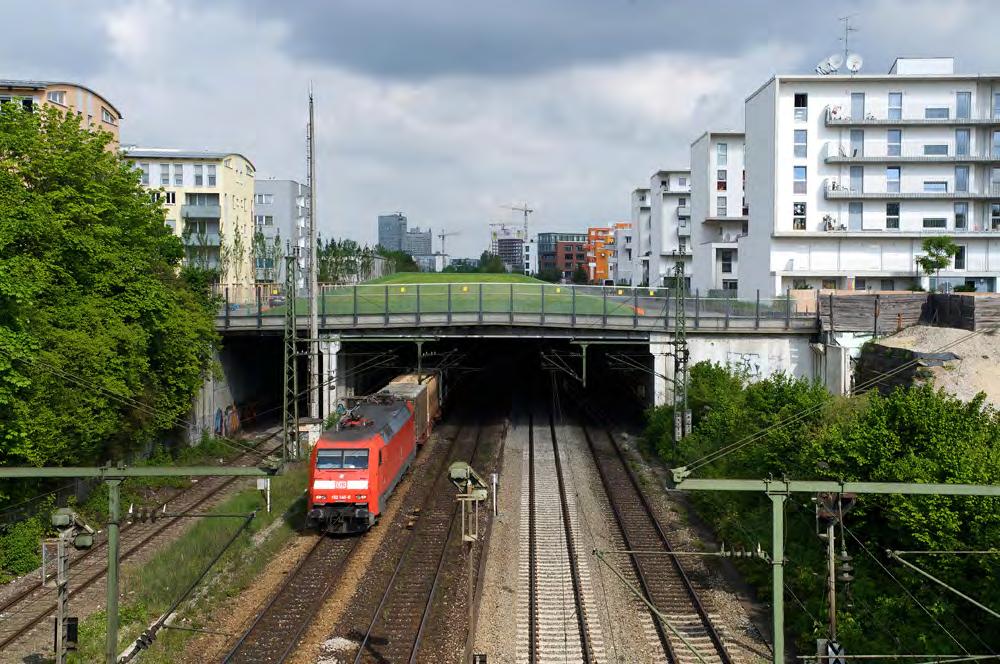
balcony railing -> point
(684, 228)
(835, 190)
(847, 154)
(205, 211)
(841, 117)
(683, 211)
(200, 239)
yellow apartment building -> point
(209, 201)
(95, 111)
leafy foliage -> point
(102, 343)
(911, 435)
(938, 252)
(491, 263)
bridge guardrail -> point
(465, 303)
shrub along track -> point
(22, 613)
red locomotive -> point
(354, 467)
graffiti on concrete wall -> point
(747, 363)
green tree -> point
(491, 264)
(92, 304)
(551, 275)
(938, 254)
(579, 276)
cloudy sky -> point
(450, 109)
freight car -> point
(355, 466)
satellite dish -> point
(854, 62)
(835, 61)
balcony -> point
(200, 239)
(684, 229)
(833, 190)
(726, 218)
(838, 116)
(683, 211)
(845, 154)
(201, 211)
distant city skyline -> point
(450, 124)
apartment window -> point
(721, 180)
(144, 167)
(199, 175)
(857, 105)
(721, 154)
(935, 150)
(886, 284)
(682, 181)
(894, 142)
(857, 142)
(799, 180)
(682, 245)
(963, 105)
(664, 184)
(264, 199)
(57, 97)
(721, 206)
(963, 138)
(730, 284)
(799, 216)
(171, 197)
(892, 216)
(211, 175)
(801, 106)
(801, 136)
(857, 179)
(995, 216)
(892, 176)
(961, 216)
(895, 105)
(935, 222)
(726, 258)
(995, 144)
(860, 283)
(164, 174)
(828, 284)
(155, 196)
(935, 187)
(936, 113)
(959, 260)
(855, 214)
(961, 178)
(107, 116)
(996, 104)
(995, 182)
(202, 199)
(682, 201)
(171, 224)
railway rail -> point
(26, 610)
(558, 624)
(276, 630)
(662, 579)
(396, 630)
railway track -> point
(25, 611)
(692, 635)
(277, 628)
(402, 617)
(558, 591)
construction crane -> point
(525, 210)
(442, 235)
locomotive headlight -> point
(360, 496)
(320, 497)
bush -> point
(20, 548)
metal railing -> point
(385, 305)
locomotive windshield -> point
(342, 460)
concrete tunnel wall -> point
(760, 355)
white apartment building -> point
(848, 174)
(640, 221)
(670, 225)
(622, 258)
(719, 212)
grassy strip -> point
(454, 277)
(150, 588)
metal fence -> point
(374, 305)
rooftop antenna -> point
(850, 58)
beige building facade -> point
(209, 202)
(94, 110)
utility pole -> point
(314, 374)
(290, 400)
(682, 416)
